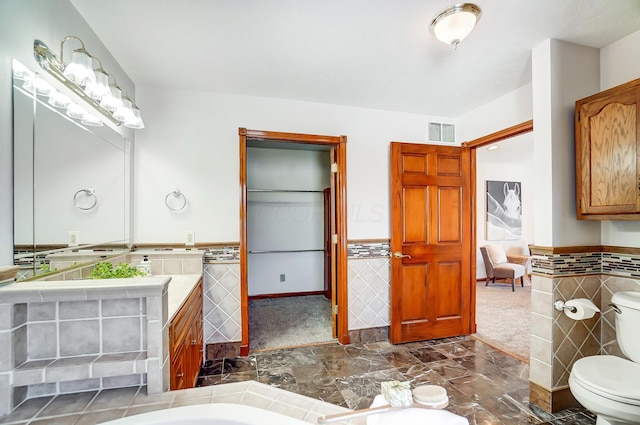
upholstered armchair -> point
(497, 265)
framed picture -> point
(504, 210)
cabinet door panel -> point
(607, 153)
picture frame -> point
(504, 210)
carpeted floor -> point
(503, 317)
(289, 321)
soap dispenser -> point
(145, 265)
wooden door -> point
(607, 153)
(431, 237)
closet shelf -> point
(284, 251)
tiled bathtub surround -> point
(69, 336)
(93, 407)
(558, 341)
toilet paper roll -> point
(585, 309)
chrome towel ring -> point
(175, 201)
(85, 199)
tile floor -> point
(484, 385)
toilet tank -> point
(628, 323)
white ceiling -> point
(365, 53)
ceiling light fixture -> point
(454, 23)
(91, 84)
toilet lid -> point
(610, 377)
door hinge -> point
(335, 309)
(334, 167)
(334, 238)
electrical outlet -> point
(282, 278)
(190, 238)
(73, 238)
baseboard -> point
(368, 335)
(286, 294)
(551, 400)
(221, 350)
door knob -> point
(398, 254)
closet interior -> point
(288, 244)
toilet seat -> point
(610, 377)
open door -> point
(431, 234)
(338, 218)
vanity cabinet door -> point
(186, 341)
(608, 154)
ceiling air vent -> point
(439, 132)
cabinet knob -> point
(193, 342)
(179, 375)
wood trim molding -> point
(506, 133)
(244, 273)
(550, 250)
(339, 143)
(276, 136)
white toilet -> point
(609, 386)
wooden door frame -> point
(473, 145)
(340, 145)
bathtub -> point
(209, 414)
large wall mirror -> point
(71, 181)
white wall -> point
(22, 21)
(519, 168)
(619, 63)
(513, 108)
(193, 144)
(562, 73)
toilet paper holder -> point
(560, 306)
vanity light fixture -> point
(454, 23)
(91, 84)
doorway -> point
(327, 248)
(502, 316)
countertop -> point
(179, 289)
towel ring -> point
(89, 193)
(178, 195)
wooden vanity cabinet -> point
(607, 131)
(186, 341)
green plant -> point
(105, 270)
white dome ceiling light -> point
(454, 23)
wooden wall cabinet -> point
(186, 341)
(608, 154)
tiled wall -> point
(558, 341)
(222, 315)
(368, 292)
